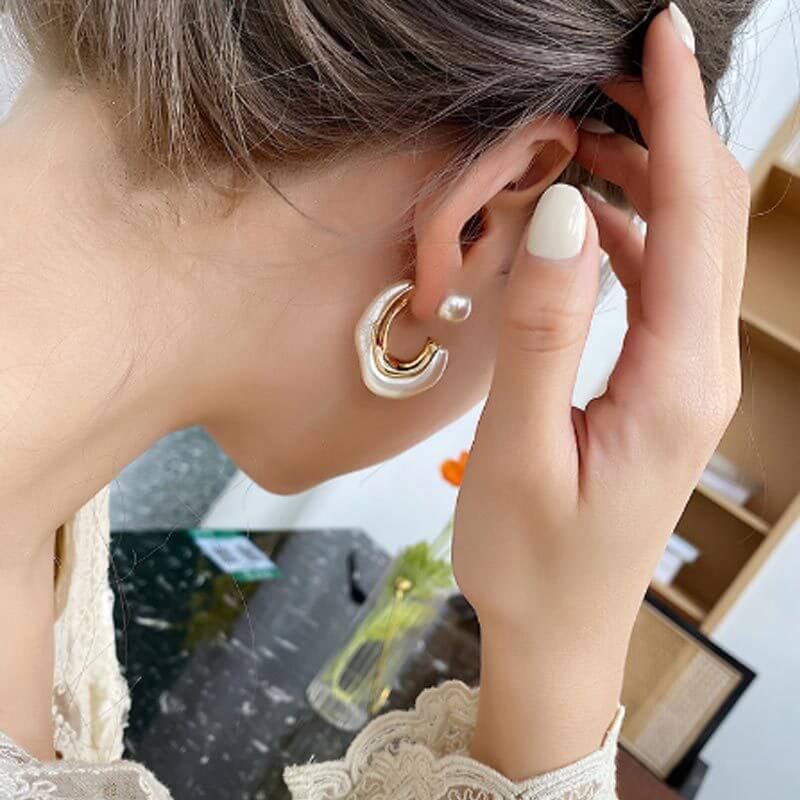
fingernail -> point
(558, 226)
(592, 193)
(682, 26)
(592, 125)
(454, 308)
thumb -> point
(549, 303)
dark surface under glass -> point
(218, 669)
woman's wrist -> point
(572, 622)
(557, 652)
(548, 693)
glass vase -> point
(357, 681)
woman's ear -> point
(514, 172)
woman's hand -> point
(563, 514)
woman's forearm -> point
(548, 696)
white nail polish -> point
(454, 308)
(558, 226)
(593, 193)
(682, 26)
(592, 125)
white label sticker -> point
(235, 554)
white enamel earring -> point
(383, 373)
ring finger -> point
(620, 161)
(622, 240)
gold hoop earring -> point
(384, 374)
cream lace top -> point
(420, 754)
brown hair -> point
(251, 82)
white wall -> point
(764, 81)
(10, 72)
(756, 752)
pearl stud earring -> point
(454, 308)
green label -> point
(235, 553)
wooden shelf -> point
(740, 512)
(788, 168)
(780, 190)
(762, 443)
(680, 601)
(751, 569)
(770, 337)
(726, 543)
(727, 535)
(772, 283)
(763, 439)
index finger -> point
(682, 285)
(679, 127)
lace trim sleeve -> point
(23, 777)
(423, 755)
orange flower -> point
(453, 471)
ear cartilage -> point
(454, 308)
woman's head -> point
(296, 81)
(363, 142)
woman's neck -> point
(100, 328)
(108, 341)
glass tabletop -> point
(218, 666)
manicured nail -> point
(592, 193)
(682, 26)
(558, 226)
(454, 308)
(592, 125)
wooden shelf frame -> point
(734, 509)
(764, 438)
(681, 601)
(763, 442)
(771, 337)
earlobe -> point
(522, 165)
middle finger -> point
(620, 161)
(630, 94)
